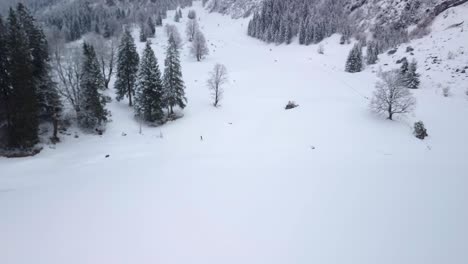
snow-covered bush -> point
(291, 105)
(446, 91)
(321, 49)
(192, 14)
(420, 130)
(450, 55)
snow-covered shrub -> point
(446, 91)
(420, 130)
(291, 105)
(320, 49)
(450, 55)
(192, 14)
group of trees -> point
(28, 95)
(78, 18)
(279, 21)
(143, 81)
(199, 48)
(392, 95)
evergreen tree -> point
(159, 20)
(127, 68)
(354, 61)
(46, 91)
(420, 130)
(149, 94)
(404, 67)
(372, 53)
(176, 17)
(5, 88)
(143, 34)
(151, 27)
(412, 77)
(21, 94)
(174, 94)
(92, 112)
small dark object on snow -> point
(419, 130)
(291, 105)
(107, 156)
(409, 49)
(124, 134)
(393, 51)
(99, 131)
(201, 138)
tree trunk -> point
(130, 98)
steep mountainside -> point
(365, 13)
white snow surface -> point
(328, 182)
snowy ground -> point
(327, 182)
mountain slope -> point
(328, 182)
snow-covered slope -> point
(328, 182)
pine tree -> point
(23, 114)
(412, 77)
(92, 112)
(149, 94)
(354, 61)
(176, 17)
(127, 68)
(159, 20)
(372, 55)
(46, 91)
(143, 34)
(5, 89)
(404, 66)
(151, 27)
(174, 94)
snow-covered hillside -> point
(327, 182)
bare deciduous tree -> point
(218, 77)
(199, 48)
(67, 64)
(106, 52)
(192, 29)
(391, 96)
(172, 30)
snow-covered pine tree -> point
(404, 67)
(354, 61)
(199, 48)
(176, 17)
(92, 112)
(149, 94)
(174, 88)
(420, 130)
(127, 68)
(412, 77)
